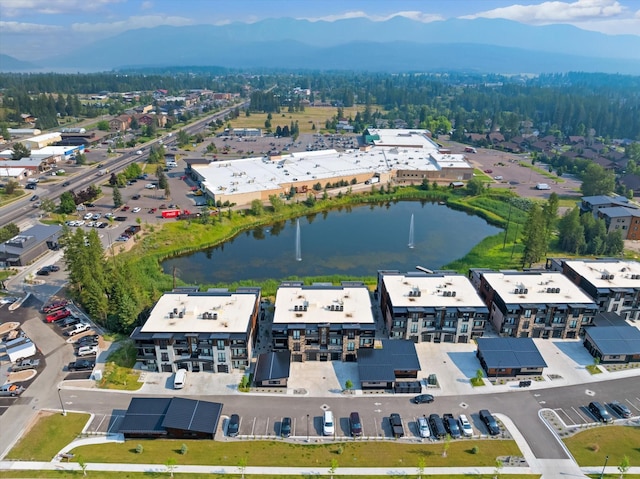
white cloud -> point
(131, 23)
(413, 15)
(146, 5)
(11, 8)
(556, 12)
(28, 28)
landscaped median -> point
(590, 447)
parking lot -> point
(579, 414)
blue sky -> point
(34, 29)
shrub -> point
(475, 450)
(139, 449)
(594, 447)
(184, 449)
(340, 450)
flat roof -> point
(619, 273)
(380, 364)
(233, 312)
(431, 290)
(539, 288)
(355, 302)
(510, 353)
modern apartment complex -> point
(438, 307)
(534, 304)
(323, 322)
(210, 331)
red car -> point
(488, 171)
(50, 308)
(58, 315)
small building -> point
(25, 247)
(272, 369)
(40, 141)
(510, 357)
(120, 123)
(199, 331)
(170, 418)
(386, 366)
(323, 322)
(611, 339)
(249, 132)
(425, 307)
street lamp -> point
(64, 413)
(606, 459)
(307, 428)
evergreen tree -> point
(117, 197)
(67, 203)
(534, 238)
(20, 151)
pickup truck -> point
(77, 329)
(25, 364)
(58, 315)
(11, 390)
(396, 425)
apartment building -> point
(424, 307)
(613, 284)
(323, 322)
(210, 331)
(534, 304)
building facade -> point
(323, 322)
(209, 331)
(534, 304)
(425, 307)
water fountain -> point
(411, 232)
(298, 248)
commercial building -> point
(534, 304)
(272, 369)
(614, 284)
(199, 331)
(510, 357)
(27, 246)
(390, 366)
(613, 340)
(323, 322)
(424, 307)
(41, 141)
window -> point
(464, 328)
(351, 335)
(558, 320)
(296, 334)
(527, 313)
(164, 356)
(365, 341)
(220, 344)
(398, 324)
(163, 344)
(525, 325)
(573, 323)
(450, 324)
(477, 324)
(296, 346)
(351, 346)
(414, 328)
(222, 357)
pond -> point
(351, 241)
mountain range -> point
(398, 44)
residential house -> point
(509, 357)
(120, 123)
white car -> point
(135, 210)
(90, 224)
(423, 427)
(87, 350)
(497, 178)
(77, 329)
(79, 222)
(87, 216)
(465, 426)
(150, 186)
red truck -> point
(170, 213)
(50, 308)
(61, 314)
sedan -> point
(88, 340)
(423, 399)
(34, 198)
(285, 428)
(87, 350)
(53, 268)
(620, 409)
(66, 183)
(233, 426)
(135, 210)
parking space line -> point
(633, 405)
(104, 416)
(266, 430)
(293, 429)
(580, 415)
(253, 426)
(568, 418)
(116, 422)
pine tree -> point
(117, 197)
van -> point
(180, 379)
(171, 164)
(328, 427)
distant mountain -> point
(10, 64)
(399, 44)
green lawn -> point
(47, 436)
(278, 453)
(147, 475)
(590, 447)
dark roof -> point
(510, 353)
(274, 365)
(153, 415)
(615, 340)
(192, 415)
(609, 318)
(381, 364)
(28, 239)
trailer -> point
(25, 349)
(170, 213)
(103, 172)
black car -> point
(81, 365)
(620, 409)
(43, 271)
(285, 427)
(451, 425)
(34, 198)
(492, 425)
(66, 183)
(234, 425)
(89, 340)
(397, 428)
(600, 412)
(423, 399)
(355, 426)
(437, 426)
(53, 268)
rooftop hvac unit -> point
(215, 315)
(332, 307)
(175, 310)
(341, 308)
(295, 308)
(181, 314)
(453, 293)
(304, 308)
(171, 315)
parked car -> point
(135, 197)
(285, 427)
(53, 268)
(355, 425)
(465, 426)
(88, 340)
(77, 329)
(50, 308)
(437, 426)
(136, 209)
(423, 399)
(66, 183)
(68, 321)
(234, 425)
(11, 390)
(620, 409)
(451, 425)
(34, 198)
(81, 365)
(600, 412)
(492, 425)
(58, 315)
(87, 350)
(43, 271)
(423, 427)
(25, 364)
(396, 425)
(328, 427)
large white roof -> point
(431, 291)
(355, 303)
(233, 313)
(608, 273)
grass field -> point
(47, 436)
(277, 453)
(589, 448)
